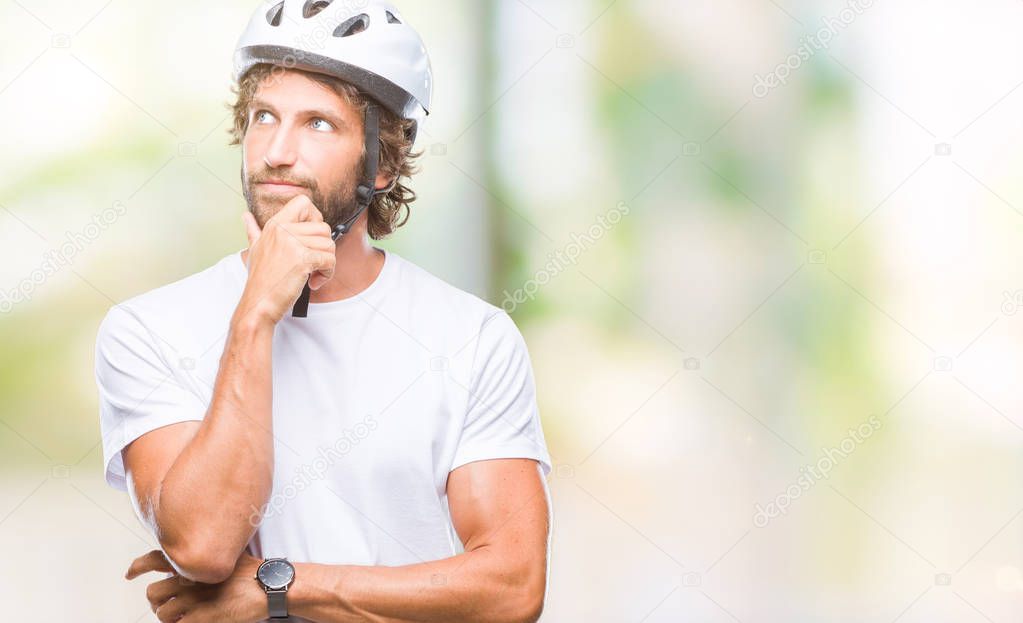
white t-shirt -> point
(376, 398)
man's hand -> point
(293, 247)
(239, 599)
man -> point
(325, 465)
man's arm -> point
(198, 485)
(501, 511)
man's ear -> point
(383, 181)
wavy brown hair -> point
(397, 159)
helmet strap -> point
(366, 190)
(364, 193)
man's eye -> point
(325, 125)
(259, 115)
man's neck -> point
(358, 265)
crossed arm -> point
(500, 509)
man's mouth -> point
(278, 186)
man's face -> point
(309, 138)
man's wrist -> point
(256, 605)
(251, 323)
(276, 576)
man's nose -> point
(281, 151)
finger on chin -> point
(316, 281)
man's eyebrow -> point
(326, 114)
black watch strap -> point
(278, 601)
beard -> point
(336, 205)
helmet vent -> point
(391, 19)
(312, 7)
(273, 16)
(352, 26)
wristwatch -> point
(275, 575)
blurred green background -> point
(814, 223)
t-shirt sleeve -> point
(502, 419)
(138, 390)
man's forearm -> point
(226, 470)
(474, 586)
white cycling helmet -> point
(364, 42)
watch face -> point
(276, 574)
